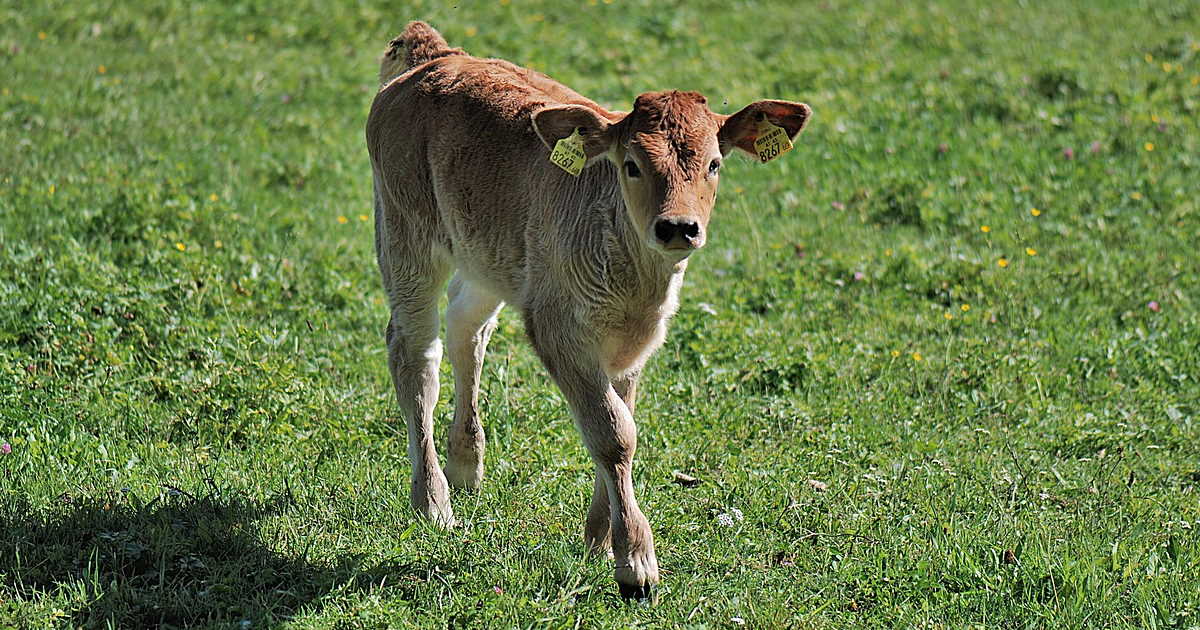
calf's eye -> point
(631, 169)
(714, 166)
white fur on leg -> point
(414, 354)
(470, 321)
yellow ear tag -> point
(770, 141)
(568, 153)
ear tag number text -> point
(770, 141)
(568, 153)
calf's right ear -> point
(559, 121)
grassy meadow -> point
(937, 366)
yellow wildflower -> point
(1030, 251)
(213, 197)
(1035, 212)
(1135, 195)
(342, 219)
(895, 353)
(1149, 58)
(1003, 262)
(1166, 67)
(42, 35)
(1155, 119)
(985, 228)
(51, 189)
(1149, 146)
(101, 69)
(180, 246)
(965, 307)
(471, 31)
(363, 217)
(916, 356)
(218, 244)
(948, 315)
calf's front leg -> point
(610, 436)
(597, 530)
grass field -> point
(937, 366)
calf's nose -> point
(679, 232)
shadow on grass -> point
(177, 561)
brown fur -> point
(673, 116)
(418, 44)
(459, 148)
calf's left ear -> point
(741, 129)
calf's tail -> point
(416, 44)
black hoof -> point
(642, 593)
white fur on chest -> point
(632, 331)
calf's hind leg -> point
(470, 320)
(414, 353)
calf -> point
(460, 152)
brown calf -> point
(460, 151)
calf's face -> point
(669, 161)
(668, 151)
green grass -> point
(193, 379)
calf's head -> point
(668, 153)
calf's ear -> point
(741, 129)
(559, 121)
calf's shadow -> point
(178, 561)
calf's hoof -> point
(431, 500)
(440, 517)
(464, 476)
(638, 581)
(638, 592)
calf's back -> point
(453, 147)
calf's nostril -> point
(690, 230)
(664, 231)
